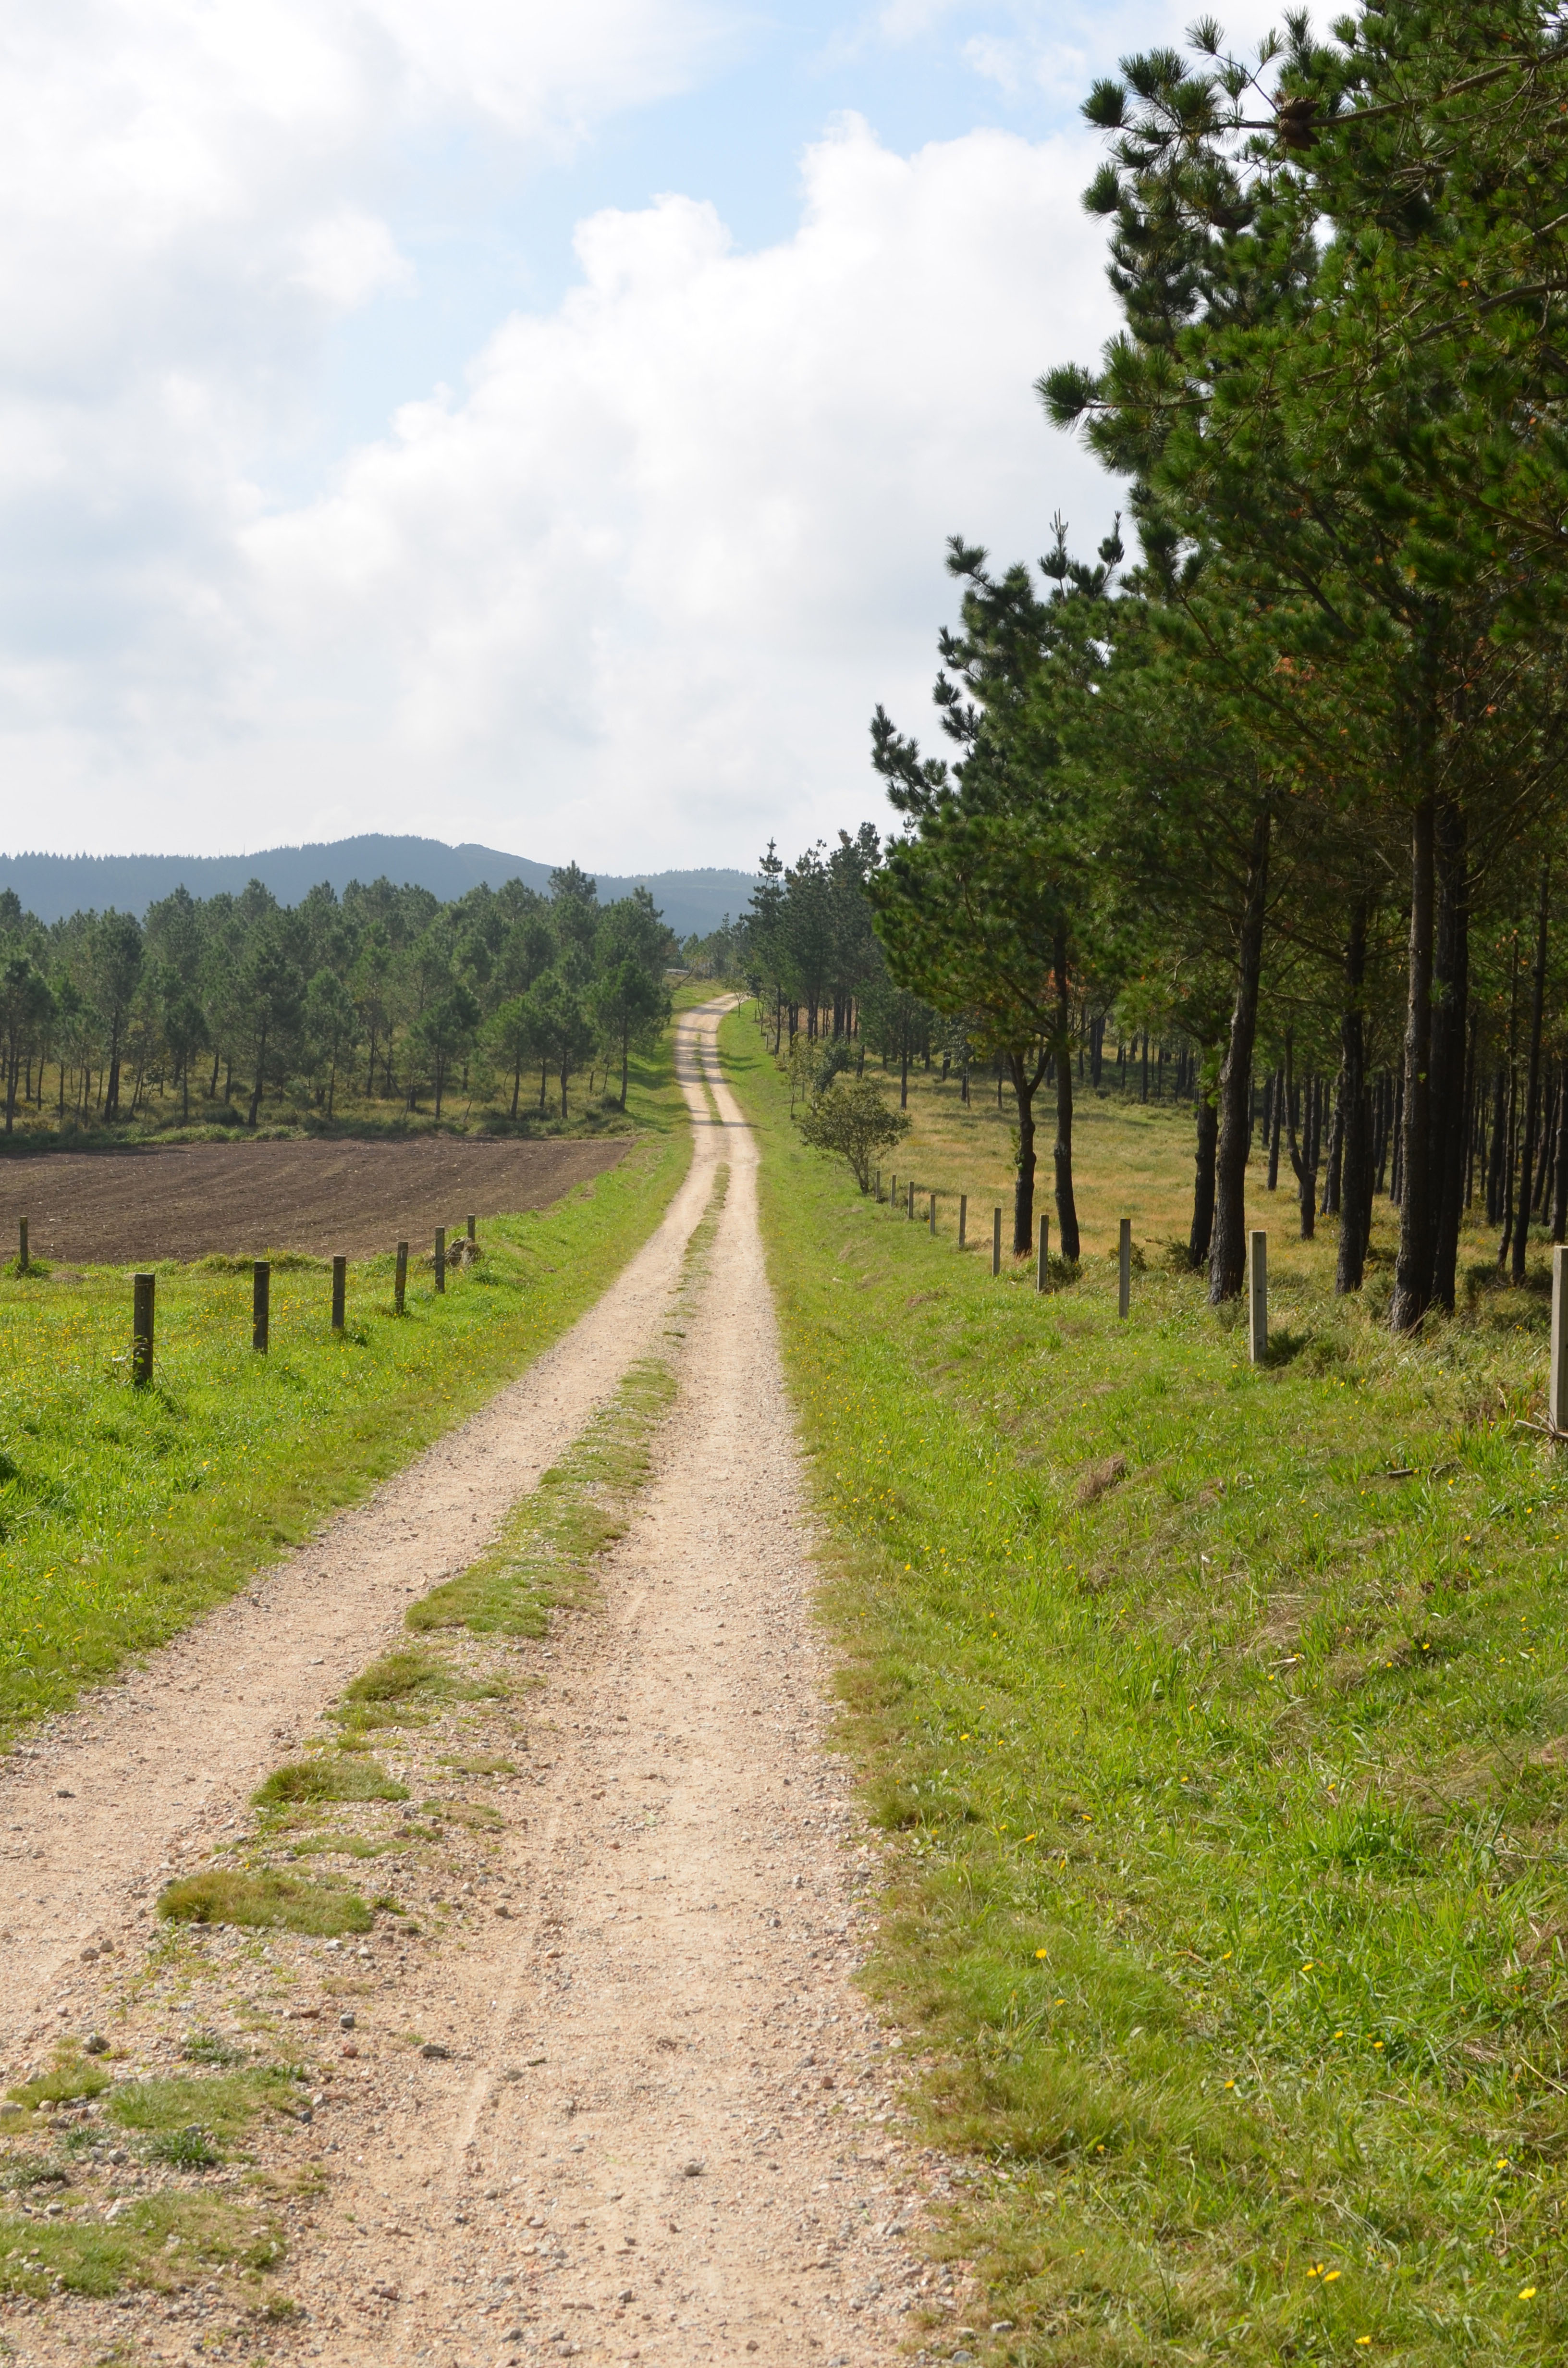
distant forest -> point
(383, 1003)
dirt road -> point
(658, 2123)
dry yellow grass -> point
(1131, 1159)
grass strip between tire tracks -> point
(124, 1514)
(1222, 1716)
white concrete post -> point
(1257, 1295)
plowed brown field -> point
(354, 1198)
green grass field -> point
(125, 1512)
(1222, 1715)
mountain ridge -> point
(54, 887)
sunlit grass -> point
(1223, 1717)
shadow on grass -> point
(1284, 1346)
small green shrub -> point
(70, 2078)
(182, 2110)
(211, 2047)
(393, 1690)
(328, 1779)
(852, 1121)
(186, 2149)
(264, 1901)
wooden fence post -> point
(260, 1304)
(471, 1234)
(996, 1241)
(931, 1221)
(909, 1209)
(876, 1186)
(963, 1217)
(144, 1287)
(441, 1258)
(22, 1252)
(893, 1191)
(339, 1291)
(1124, 1267)
(1257, 1296)
(1041, 1270)
(400, 1280)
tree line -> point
(385, 996)
(1284, 785)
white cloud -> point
(631, 590)
(635, 593)
(194, 194)
(349, 257)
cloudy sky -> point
(529, 423)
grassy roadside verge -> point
(1223, 1717)
(124, 1514)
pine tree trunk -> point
(1473, 1118)
(1355, 1147)
(1538, 1008)
(1203, 1234)
(1413, 1266)
(1227, 1257)
(1023, 1190)
(1066, 1207)
(1304, 1156)
(1546, 1165)
(1500, 1137)
(1276, 1115)
(1560, 1196)
(1330, 1205)
(1449, 1014)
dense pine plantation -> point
(1218, 1714)
(1267, 792)
(381, 1009)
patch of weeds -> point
(474, 1814)
(210, 2047)
(160, 2242)
(168, 2111)
(330, 1778)
(23, 2172)
(188, 2149)
(264, 1901)
(394, 1691)
(484, 1766)
(340, 1845)
(71, 2077)
(281, 1261)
